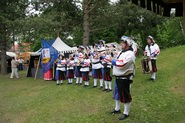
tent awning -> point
(60, 46)
(11, 54)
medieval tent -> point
(34, 64)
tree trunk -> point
(3, 61)
(3, 45)
(86, 28)
(143, 39)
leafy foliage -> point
(107, 21)
(171, 33)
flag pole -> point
(38, 64)
(54, 71)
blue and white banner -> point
(48, 56)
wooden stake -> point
(38, 64)
(28, 67)
(53, 70)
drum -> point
(146, 66)
(48, 75)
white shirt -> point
(124, 63)
(134, 46)
(77, 57)
(152, 51)
(107, 61)
(61, 65)
(14, 63)
(100, 46)
(85, 66)
(115, 53)
(97, 65)
(21, 61)
(70, 65)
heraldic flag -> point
(48, 55)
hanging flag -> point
(48, 56)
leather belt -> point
(95, 62)
(124, 76)
(60, 66)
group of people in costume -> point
(86, 62)
(98, 62)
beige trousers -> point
(14, 71)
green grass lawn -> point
(38, 101)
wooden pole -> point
(28, 67)
(38, 64)
(53, 70)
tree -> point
(55, 18)
(88, 7)
(138, 22)
(171, 33)
(11, 10)
(86, 15)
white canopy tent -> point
(60, 46)
(11, 54)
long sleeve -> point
(157, 50)
(87, 62)
(124, 63)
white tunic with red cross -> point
(61, 65)
(85, 65)
(123, 63)
(152, 51)
(70, 65)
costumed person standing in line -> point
(106, 70)
(14, 64)
(21, 62)
(79, 55)
(91, 57)
(134, 47)
(85, 69)
(123, 71)
(70, 69)
(101, 44)
(113, 51)
(152, 51)
(60, 70)
(97, 69)
(114, 55)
